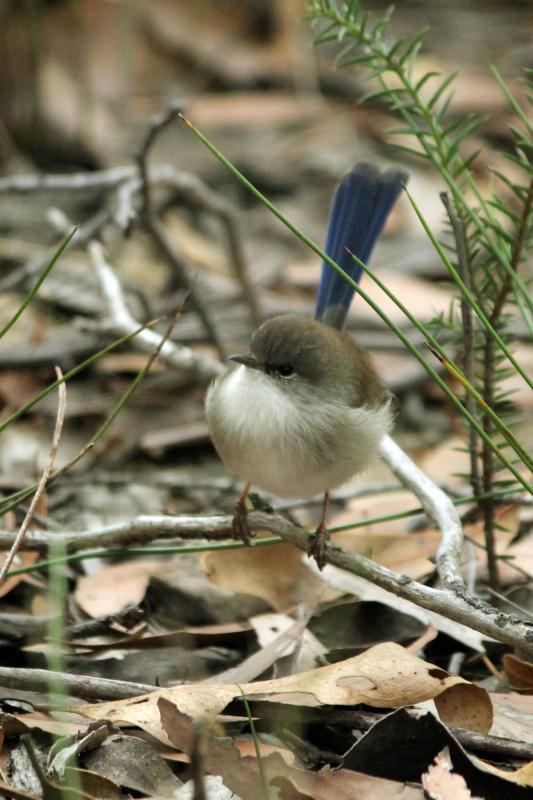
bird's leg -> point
(239, 525)
(317, 543)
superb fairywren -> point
(304, 410)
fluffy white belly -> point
(289, 449)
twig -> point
(85, 233)
(85, 686)
(153, 226)
(468, 335)
(127, 183)
(60, 418)
(456, 605)
(140, 530)
(489, 368)
(362, 719)
(239, 265)
(521, 610)
(437, 506)
(22, 629)
(200, 733)
(70, 182)
(178, 357)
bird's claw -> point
(317, 546)
(240, 528)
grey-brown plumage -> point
(302, 412)
(326, 357)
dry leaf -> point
(283, 579)
(387, 542)
(521, 777)
(269, 626)
(347, 583)
(462, 707)
(520, 673)
(513, 716)
(241, 774)
(447, 459)
(23, 559)
(385, 676)
(109, 590)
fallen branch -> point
(455, 605)
(85, 686)
(437, 506)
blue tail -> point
(359, 211)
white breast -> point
(286, 448)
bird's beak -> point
(248, 360)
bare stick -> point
(456, 605)
(60, 418)
(361, 718)
(86, 686)
(178, 357)
(127, 183)
(70, 182)
(90, 229)
(140, 530)
(437, 506)
(154, 227)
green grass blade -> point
(399, 333)
(40, 280)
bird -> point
(304, 410)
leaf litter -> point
(307, 650)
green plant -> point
(491, 234)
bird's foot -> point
(240, 528)
(317, 546)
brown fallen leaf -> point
(111, 589)
(26, 558)
(283, 579)
(448, 458)
(513, 716)
(461, 707)
(385, 676)
(223, 757)
(519, 672)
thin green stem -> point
(70, 374)
(255, 737)
(468, 294)
(436, 144)
(122, 552)
(13, 500)
(455, 371)
(38, 283)
(513, 102)
(399, 333)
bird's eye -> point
(285, 370)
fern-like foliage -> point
(491, 234)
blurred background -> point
(79, 85)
